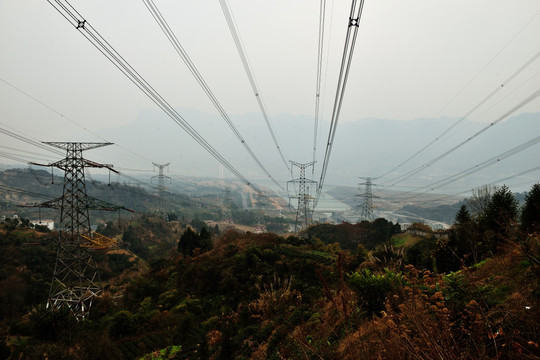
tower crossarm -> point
(304, 165)
(65, 163)
(97, 204)
(93, 204)
(307, 181)
(97, 241)
(82, 146)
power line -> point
(407, 175)
(499, 87)
(243, 56)
(27, 140)
(92, 35)
(502, 180)
(39, 144)
(48, 107)
(322, 11)
(348, 50)
(158, 16)
(494, 160)
(25, 192)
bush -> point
(372, 289)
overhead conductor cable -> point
(487, 127)
(322, 11)
(158, 16)
(238, 42)
(350, 41)
(73, 17)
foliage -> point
(192, 242)
(480, 200)
(388, 256)
(262, 296)
(167, 353)
(123, 324)
(500, 217)
(109, 229)
(348, 236)
(530, 214)
(119, 262)
(421, 254)
(372, 289)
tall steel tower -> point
(161, 178)
(303, 210)
(76, 280)
(226, 212)
(367, 204)
(260, 227)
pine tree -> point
(501, 215)
(188, 242)
(462, 237)
(530, 214)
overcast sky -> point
(413, 59)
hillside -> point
(31, 187)
(178, 290)
(267, 297)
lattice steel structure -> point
(76, 280)
(260, 227)
(161, 178)
(366, 208)
(303, 210)
(226, 211)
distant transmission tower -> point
(303, 210)
(367, 205)
(76, 280)
(161, 178)
(260, 227)
(226, 215)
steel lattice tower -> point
(76, 280)
(367, 205)
(303, 210)
(259, 214)
(226, 215)
(161, 178)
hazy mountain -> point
(365, 147)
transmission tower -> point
(76, 280)
(303, 210)
(161, 178)
(259, 214)
(226, 215)
(367, 205)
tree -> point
(480, 200)
(191, 240)
(188, 242)
(530, 214)
(463, 237)
(500, 216)
(461, 247)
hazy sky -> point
(413, 59)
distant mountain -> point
(364, 147)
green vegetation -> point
(360, 291)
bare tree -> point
(480, 200)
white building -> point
(48, 223)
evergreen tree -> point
(530, 215)
(501, 215)
(191, 240)
(461, 247)
(464, 236)
(188, 242)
